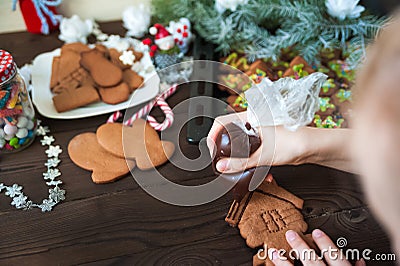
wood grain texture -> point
(119, 224)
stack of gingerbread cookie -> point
(83, 75)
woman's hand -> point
(309, 256)
(279, 146)
(328, 147)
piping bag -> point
(286, 102)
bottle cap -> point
(7, 66)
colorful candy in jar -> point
(17, 116)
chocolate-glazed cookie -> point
(239, 140)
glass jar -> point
(17, 116)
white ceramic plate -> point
(42, 96)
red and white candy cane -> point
(158, 101)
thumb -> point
(233, 165)
(360, 262)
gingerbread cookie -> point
(298, 66)
(54, 72)
(103, 49)
(69, 62)
(73, 81)
(103, 72)
(237, 103)
(258, 70)
(73, 98)
(133, 79)
(115, 95)
(114, 57)
(238, 61)
(265, 215)
(138, 55)
(325, 106)
(76, 47)
(85, 152)
(139, 142)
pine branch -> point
(261, 28)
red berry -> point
(185, 34)
(179, 30)
(185, 27)
(176, 40)
(180, 42)
(151, 53)
(147, 41)
(153, 48)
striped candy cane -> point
(169, 116)
(114, 117)
(158, 101)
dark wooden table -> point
(119, 223)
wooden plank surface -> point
(120, 224)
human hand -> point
(308, 256)
(279, 146)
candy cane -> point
(114, 117)
(158, 101)
(169, 116)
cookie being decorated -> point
(265, 215)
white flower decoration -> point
(47, 140)
(41, 131)
(47, 205)
(222, 5)
(344, 8)
(53, 151)
(75, 30)
(13, 191)
(19, 201)
(51, 174)
(127, 58)
(56, 194)
(115, 41)
(52, 162)
(136, 20)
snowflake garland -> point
(56, 195)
